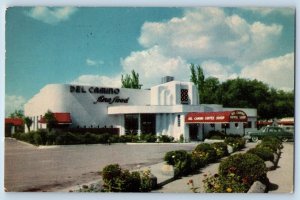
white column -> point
(157, 124)
(139, 125)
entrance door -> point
(193, 129)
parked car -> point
(275, 131)
(289, 128)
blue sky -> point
(96, 45)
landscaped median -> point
(245, 172)
(239, 172)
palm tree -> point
(28, 122)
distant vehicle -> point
(289, 128)
(274, 131)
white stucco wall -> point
(59, 98)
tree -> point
(28, 121)
(211, 86)
(197, 77)
(17, 114)
(50, 120)
(131, 81)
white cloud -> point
(266, 11)
(206, 36)
(98, 80)
(151, 65)
(278, 72)
(51, 15)
(91, 62)
(210, 33)
(215, 69)
(13, 103)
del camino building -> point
(171, 108)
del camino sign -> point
(101, 90)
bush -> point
(51, 138)
(148, 137)
(111, 176)
(272, 143)
(104, 138)
(207, 152)
(37, 138)
(43, 135)
(146, 182)
(237, 143)
(165, 138)
(90, 138)
(181, 160)
(225, 184)
(216, 135)
(220, 148)
(128, 138)
(181, 139)
(264, 153)
(198, 160)
(119, 180)
(248, 167)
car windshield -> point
(263, 129)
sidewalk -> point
(282, 178)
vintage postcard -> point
(149, 99)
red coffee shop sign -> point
(216, 117)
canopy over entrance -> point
(216, 117)
(61, 118)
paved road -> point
(30, 168)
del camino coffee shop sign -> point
(101, 90)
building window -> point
(236, 124)
(184, 96)
(178, 120)
(131, 124)
(249, 124)
(227, 125)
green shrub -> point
(225, 184)
(111, 176)
(51, 137)
(181, 139)
(220, 148)
(90, 138)
(207, 152)
(43, 135)
(264, 153)
(146, 182)
(248, 167)
(181, 160)
(148, 137)
(271, 142)
(198, 160)
(237, 143)
(165, 138)
(103, 138)
(37, 138)
(128, 138)
(118, 180)
(216, 135)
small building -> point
(160, 110)
(13, 125)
